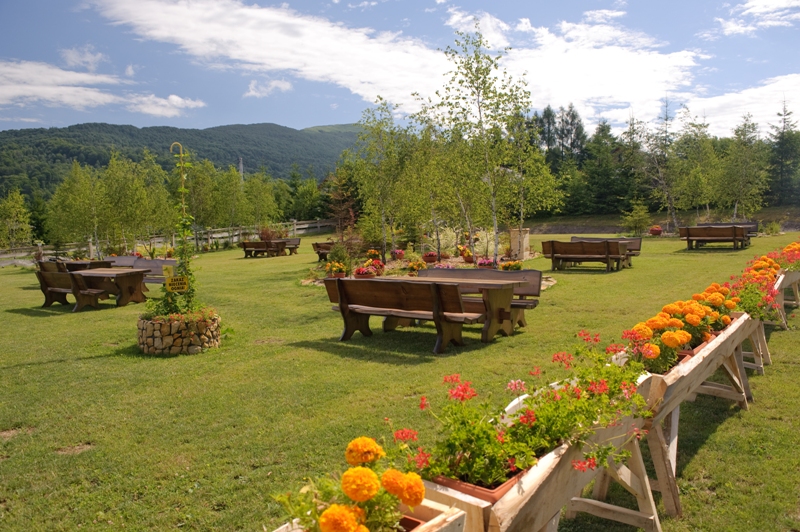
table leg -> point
(498, 307)
(130, 289)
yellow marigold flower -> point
(363, 450)
(726, 320)
(643, 330)
(671, 309)
(716, 299)
(360, 483)
(684, 337)
(670, 339)
(393, 481)
(693, 319)
(651, 351)
(664, 315)
(675, 322)
(337, 518)
(730, 304)
(714, 316)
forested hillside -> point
(36, 160)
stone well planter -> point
(158, 337)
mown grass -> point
(200, 442)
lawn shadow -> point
(56, 309)
(113, 354)
(715, 249)
(406, 347)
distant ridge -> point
(38, 159)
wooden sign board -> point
(177, 284)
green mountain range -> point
(36, 160)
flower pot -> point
(338, 275)
(486, 266)
(398, 255)
(364, 275)
(485, 494)
(409, 523)
(429, 260)
(655, 232)
(468, 259)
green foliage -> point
(15, 226)
(638, 220)
(772, 228)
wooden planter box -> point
(534, 503)
(436, 518)
(786, 280)
(665, 393)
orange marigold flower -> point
(706, 337)
(724, 291)
(670, 339)
(651, 351)
(407, 487)
(683, 336)
(671, 309)
(675, 322)
(360, 484)
(644, 331)
(363, 450)
(362, 528)
(337, 518)
(697, 297)
(730, 304)
(726, 320)
(693, 319)
(656, 323)
(736, 299)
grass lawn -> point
(95, 435)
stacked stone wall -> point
(178, 337)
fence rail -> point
(207, 236)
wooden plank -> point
(665, 469)
(476, 511)
(723, 392)
(615, 513)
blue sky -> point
(205, 63)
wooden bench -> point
(752, 227)
(253, 249)
(292, 244)
(85, 295)
(51, 266)
(698, 235)
(358, 299)
(56, 285)
(322, 249)
(519, 304)
(608, 252)
(633, 245)
(156, 267)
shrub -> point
(772, 228)
(638, 220)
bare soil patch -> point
(75, 449)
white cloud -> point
(493, 29)
(257, 90)
(229, 32)
(602, 15)
(20, 119)
(24, 83)
(334, 106)
(169, 107)
(130, 71)
(754, 15)
(83, 57)
(725, 111)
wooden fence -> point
(208, 236)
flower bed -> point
(179, 334)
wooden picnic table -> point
(125, 283)
(497, 295)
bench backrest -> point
(584, 249)
(55, 279)
(292, 242)
(714, 231)
(633, 243)
(123, 261)
(410, 295)
(752, 227)
(156, 266)
(49, 266)
(321, 246)
(253, 245)
(532, 277)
